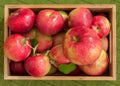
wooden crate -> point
(109, 9)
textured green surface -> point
(57, 83)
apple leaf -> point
(34, 42)
(67, 68)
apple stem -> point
(47, 52)
(75, 39)
(34, 49)
(28, 43)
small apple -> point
(80, 17)
(56, 53)
(17, 68)
(17, 47)
(82, 45)
(101, 25)
(49, 22)
(65, 17)
(44, 41)
(97, 68)
(21, 20)
(104, 43)
(37, 65)
(58, 38)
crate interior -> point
(105, 11)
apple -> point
(58, 38)
(37, 65)
(17, 68)
(56, 54)
(104, 43)
(17, 47)
(80, 17)
(65, 17)
(21, 20)
(82, 45)
(44, 41)
(49, 22)
(101, 25)
(76, 71)
(97, 68)
(52, 70)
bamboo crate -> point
(109, 9)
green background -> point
(57, 82)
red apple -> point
(44, 41)
(101, 25)
(97, 68)
(80, 17)
(104, 43)
(21, 20)
(17, 47)
(58, 38)
(17, 68)
(37, 65)
(76, 71)
(56, 53)
(49, 21)
(82, 45)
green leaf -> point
(67, 68)
(34, 42)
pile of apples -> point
(53, 41)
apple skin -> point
(80, 17)
(21, 20)
(104, 43)
(17, 47)
(58, 38)
(17, 68)
(50, 20)
(37, 66)
(44, 41)
(56, 53)
(82, 45)
(101, 25)
(97, 68)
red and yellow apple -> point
(101, 25)
(21, 20)
(56, 54)
(58, 38)
(65, 18)
(17, 47)
(82, 45)
(49, 22)
(97, 68)
(44, 41)
(104, 43)
(37, 65)
(80, 17)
